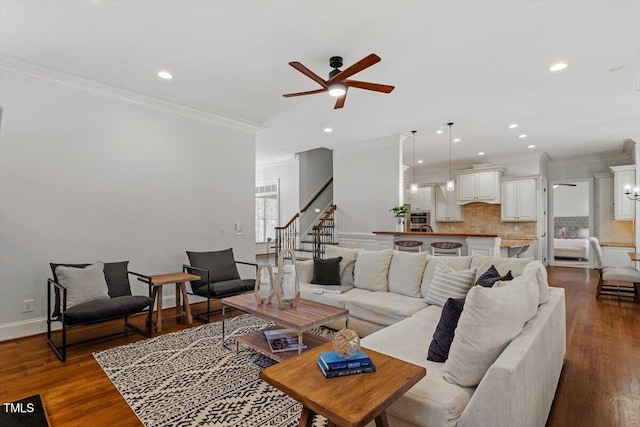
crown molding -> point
(24, 68)
(385, 141)
(605, 156)
(277, 161)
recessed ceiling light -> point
(165, 75)
(481, 153)
(531, 146)
(420, 161)
(328, 130)
(456, 140)
(524, 135)
(513, 125)
(439, 131)
(558, 66)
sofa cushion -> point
(347, 254)
(372, 270)
(491, 318)
(383, 308)
(491, 276)
(454, 262)
(405, 273)
(96, 311)
(537, 269)
(307, 291)
(304, 270)
(432, 401)
(83, 284)
(221, 266)
(448, 283)
(326, 271)
(532, 286)
(503, 265)
(443, 336)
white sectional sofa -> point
(518, 387)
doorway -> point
(571, 222)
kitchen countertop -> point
(515, 243)
(618, 244)
(426, 234)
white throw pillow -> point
(372, 270)
(347, 254)
(455, 262)
(304, 271)
(491, 318)
(532, 286)
(449, 283)
(405, 273)
(537, 269)
(83, 284)
(503, 265)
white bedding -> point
(571, 248)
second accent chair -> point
(219, 277)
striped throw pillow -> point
(449, 283)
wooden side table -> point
(350, 401)
(183, 309)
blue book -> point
(332, 361)
(343, 372)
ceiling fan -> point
(338, 82)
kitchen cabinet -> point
(624, 209)
(519, 199)
(447, 207)
(617, 256)
(421, 201)
(479, 187)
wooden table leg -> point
(306, 417)
(185, 303)
(178, 302)
(158, 293)
(381, 420)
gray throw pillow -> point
(83, 284)
(346, 278)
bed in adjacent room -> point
(571, 238)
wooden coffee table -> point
(350, 401)
(307, 315)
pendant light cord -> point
(449, 124)
(414, 156)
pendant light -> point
(450, 184)
(414, 185)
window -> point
(267, 208)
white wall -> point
(86, 177)
(316, 167)
(571, 201)
(288, 173)
(367, 183)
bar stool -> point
(408, 245)
(446, 248)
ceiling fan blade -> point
(310, 92)
(365, 62)
(307, 72)
(369, 86)
(340, 101)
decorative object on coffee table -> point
(264, 288)
(288, 288)
(346, 343)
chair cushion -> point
(226, 288)
(97, 311)
(621, 274)
(115, 273)
(221, 266)
(83, 284)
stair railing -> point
(286, 236)
(323, 233)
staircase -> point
(309, 243)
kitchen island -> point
(472, 244)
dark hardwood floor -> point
(599, 386)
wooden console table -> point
(182, 300)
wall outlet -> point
(27, 306)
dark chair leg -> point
(600, 282)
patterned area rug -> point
(187, 378)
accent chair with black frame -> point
(87, 299)
(219, 276)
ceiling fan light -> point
(337, 89)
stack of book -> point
(333, 365)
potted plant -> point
(400, 212)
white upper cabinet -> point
(624, 209)
(447, 207)
(421, 201)
(519, 199)
(479, 187)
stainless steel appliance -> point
(419, 219)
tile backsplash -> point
(485, 218)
